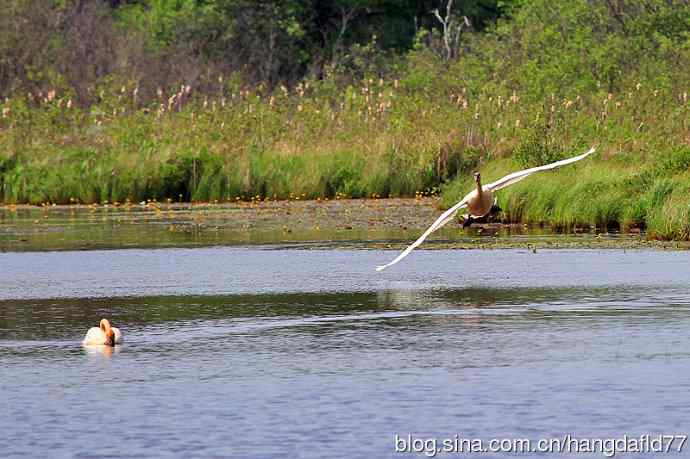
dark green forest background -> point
(226, 99)
(158, 43)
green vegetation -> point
(545, 81)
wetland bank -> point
(381, 120)
(364, 223)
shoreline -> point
(328, 224)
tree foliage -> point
(163, 41)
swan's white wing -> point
(517, 176)
(497, 185)
(118, 335)
(94, 336)
(440, 221)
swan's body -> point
(480, 200)
(103, 335)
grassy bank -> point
(617, 193)
(380, 138)
(420, 129)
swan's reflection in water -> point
(101, 350)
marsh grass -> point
(379, 139)
(599, 195)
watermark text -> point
(567, 444)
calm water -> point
(271, 353)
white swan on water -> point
(103, 335)
(480, 200)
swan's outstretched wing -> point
(497, 185)
(517, 176)
(440, 221)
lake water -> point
(271, 352)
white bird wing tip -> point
(381, 268)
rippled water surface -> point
(273, 352)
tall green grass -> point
(613, 194)
(380, 138)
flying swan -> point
(480, 201)
(103, 335)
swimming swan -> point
(480, 201)
(105, 334)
